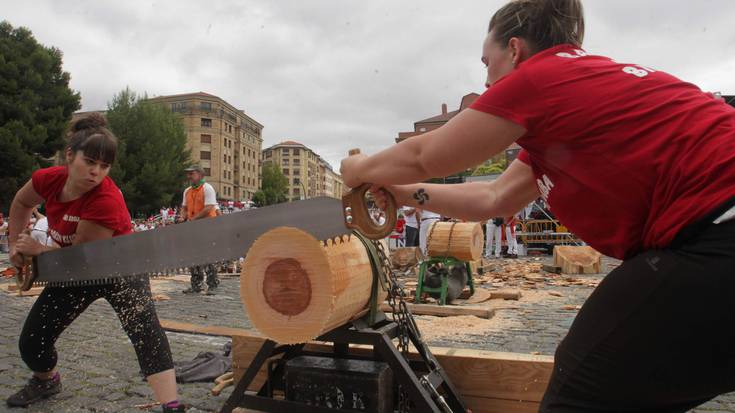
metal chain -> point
(405, 321)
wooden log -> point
(294, 287)
(506, 294)
(405, 257)
(444, 310)
(461, 240)
(489, 382)
(577, 260)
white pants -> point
(511, 239)
(493, 232)
(424, 233)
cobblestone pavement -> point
(100, 372)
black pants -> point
(657, 335)
(56, 308)
(198, 273)
(412, 236)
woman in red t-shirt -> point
(83, 204)
(638, 163)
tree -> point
(491, 168)
(152, 152)
(275, 186)
(36, 105)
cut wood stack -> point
(461, 240)
(294, 287)
(577, 260)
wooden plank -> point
(13, 289)
(484, 374)
(444, 310)
(182, 327)
(505, 294)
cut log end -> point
(295, 287)
(286, 287)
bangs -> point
(99, 147)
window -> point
(285, 151)
(178, 107)
(207, 172)
(296, 181)
(206, 123)
(285, 162)
(296, 162)
(230, 159)
(297, 172)
(296, 152)
(205, 155)
(285, 171)
(205, 106)
(206, 138)
(296, 191)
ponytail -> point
(541, 23)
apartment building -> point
(224, 140)
(308, 174)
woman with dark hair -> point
(83, 204)
(639, 164)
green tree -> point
(36, 104)
(275, 187)
(491, 168)
(152, 153)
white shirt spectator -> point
(40, 232)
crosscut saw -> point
(205, 241)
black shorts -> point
(657, 335)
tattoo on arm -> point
(421, 196)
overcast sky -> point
(337, 74)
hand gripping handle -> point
(24, 276)
(357, 214)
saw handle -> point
(357, 213)
(24, 276)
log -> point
(405, 257)
(577, 260)
(295, 288)
(461, 240)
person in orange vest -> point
(200, 201)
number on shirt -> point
(639, 71)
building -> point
(308, 174)
(437, 121)
(223, 140)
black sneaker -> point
(191, 291)
(180, 408)
(35, 390)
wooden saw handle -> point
(357, 213)
(25, 275)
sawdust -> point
(439, 327)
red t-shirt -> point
(104, 205)
(626, 156)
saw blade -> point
(211, 240)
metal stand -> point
(421, 379)
(447, 262)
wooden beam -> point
(444, 310)
(181, 327)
